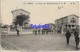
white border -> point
(41, 51)
(48, 0)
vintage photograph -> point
(39, 25)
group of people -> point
(76, 37)
(42, 31)
(46, 31)
(37, 31)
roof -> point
(67, 16)
(51, 24)
(20, 9)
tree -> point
(21, 18)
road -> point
(50, 42)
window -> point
(72, 25)
(73, 20)
(66, 26)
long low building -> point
(69, 22)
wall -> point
(70, 17)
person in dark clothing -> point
(38, 31)
(43, 31)
(68, 35)
(17, 32)
(75, 32)
(47, 31)
(77, 39)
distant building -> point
(52, 26)
(22, 13)
(19, 12)
(69, 22)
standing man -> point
(68, 35)
(43, 31)
(17, 31)
(75, 33)
(76, 39)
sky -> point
(39, 13)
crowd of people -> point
(42, 31)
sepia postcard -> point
(39, 26)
